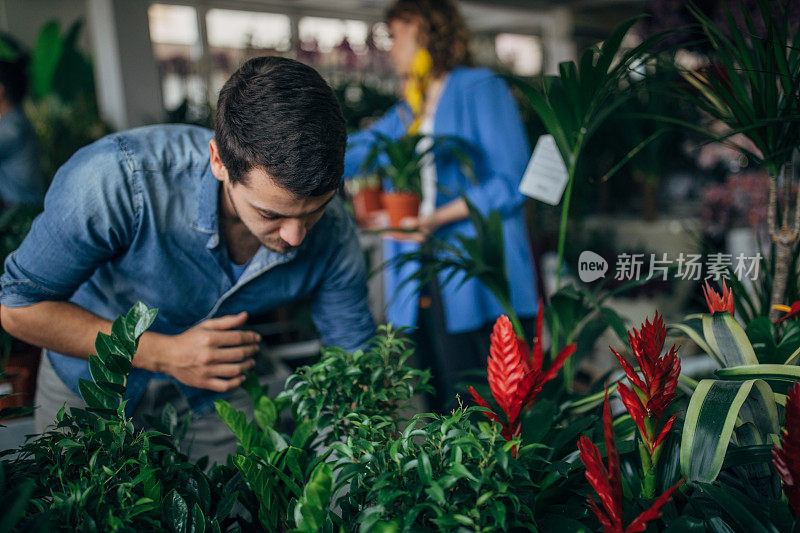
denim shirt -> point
(133, 217)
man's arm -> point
(340, 309)
(92, 212)
(210, 355)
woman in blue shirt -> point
(454, 99)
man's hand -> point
(211, 355)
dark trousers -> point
(455, 359)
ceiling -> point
(593, 19)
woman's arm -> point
(360, 142)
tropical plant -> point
(94, 471)
(516, 376)
(754, 89)
(287, 482)
(740, 405)
(482, 257)
(786, 458)
(401, 160)
(607, 482)
(442, 473)
(62, 104)
(648, 399)
(574, 104)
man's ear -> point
(217, 168)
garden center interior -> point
(399, 265)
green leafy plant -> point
(574, 104)
(376, 382)
(94, 471)
(401, 160)
(62, 106)
(754, 89)
(740, 404)
(441, 473)
(481, 257)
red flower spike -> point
(559, 361)
(635, 408)
(608, 483)
(791, 311)
(654, 393)
(516, 377)
(716, 302)
(664, 432)
(648, 342)
(633, 377)
(787, 458)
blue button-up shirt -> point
(133, 217)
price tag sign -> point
(546, 175)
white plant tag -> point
(546, 175)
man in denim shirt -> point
(205, 226)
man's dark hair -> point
(14, 80)
(279, 115)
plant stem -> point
(562, 237)
(648, 472)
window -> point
(236, 36)
(332, 43)
(176, 46)
(521, 53)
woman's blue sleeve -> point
(503, 147)
(360, 142)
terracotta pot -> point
(366, 202)
(22, 374)
(400, 205)
(16, 377)
(26, 357)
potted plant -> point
(365, 193)
(401, 161)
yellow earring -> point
(417, 85)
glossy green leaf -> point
(711, 417)
(176, 512)
(95, 396)
(779, 377)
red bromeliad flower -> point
(607, 483)
(787, 458)
(716, 302)
(650, 397)
(515, 375)
(791, 311)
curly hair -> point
(443, 31)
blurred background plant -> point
(62, 103)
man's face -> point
(277, 218)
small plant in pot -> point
(401, 161)
(365, 193)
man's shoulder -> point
(162, 146)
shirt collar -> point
(207, 219)
(207, 196)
